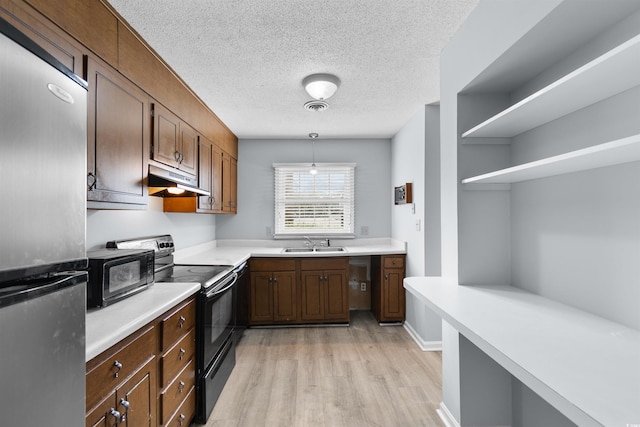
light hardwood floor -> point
(361, 375)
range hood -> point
(166, 181)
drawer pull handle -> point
(181, 419)
(180, 386)
(181, 321)
(118, 366)
(182, 352)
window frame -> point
(348, 231)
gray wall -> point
(416, 159)
(256, 185)
(186, 229)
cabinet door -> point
(104, 415)
(229, 183)
(312, 296)
(233, 185)
(216, 178)
(337, 296)
(166, 143)
(188, 149)
(261, 297)
(393, 294)
(136, 399)
(118, 142)
(64, 48)
(205, 173)
(284, 296)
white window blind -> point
(312, 205)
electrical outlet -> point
(363, 287)
(364, 230)
(268, 231)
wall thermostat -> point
(403, 194)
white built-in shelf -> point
(609, 74)
(585, 366)
(610, 153)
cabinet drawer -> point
(185, 412)
(272, 264)
(177, 357)
(117, 367)
(177, 323)
(177, 391)
(393, 262)
(333, 263)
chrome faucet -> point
(310, 243)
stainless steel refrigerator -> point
(43, 128)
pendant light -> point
(314, 169)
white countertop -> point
(106, 326)
(234, 252)
(585, 366)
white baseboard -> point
(447, 417)
(424, 345)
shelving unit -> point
(609, 74)
(591, 375)
(608, 154)
(559, 341)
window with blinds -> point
(314, 205)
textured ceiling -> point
(246, 59)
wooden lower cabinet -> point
(123, 383)
(388, 293)
(273, 291)
(324, 290)
(298, 290)
(147, 379)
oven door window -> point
(218, 322)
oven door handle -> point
(216, 291)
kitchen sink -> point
(329, 249)
(318, 249)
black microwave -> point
(115, 274)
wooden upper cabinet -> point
(175, 143)
(55, 41)
(209, 176)
(118, 138)
(216, 178)
(88, 21)
(188, 148)
(229, 184)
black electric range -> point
(215, 315)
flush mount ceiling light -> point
(321, 86)
(313, 137)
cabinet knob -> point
(180, 386)
(125, 404)
(181, 321)
(118, 366)
(115, 414)
(181, 419)
(386, 277)
(182, 353)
